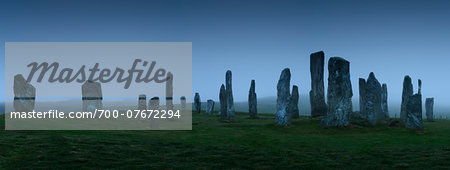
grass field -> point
(248, 143)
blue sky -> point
(257, 39)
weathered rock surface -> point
(229, 94)
(406, 94)
(362, 98)
(283, 115)
(169, 91)
(92, 96)
(183, 102)
(293, 105)
(252, 101)
(142, 102)
(414, 113)
(317, 93)
(373, 100)
(384, 101)
(339, 95)
(197, 103)
(223, 102)
(24, 95)
(209, 107)
(429, 104)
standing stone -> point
(293, 105)
(142, 102)
(429, 104)
(92, 96)
(169, 91)
(209, 107)
(223, 102)
(153, 103)
(420, 86)
(317, 93)
(183, 102)
(283, 115)
(373, 100)
(24, 95)
(384, 101)
(229, 94)
(362, 98)
(406, 94)
(414, 113)
(340, 93)
(197, 103)
(252, 100)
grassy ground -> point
(247, 143)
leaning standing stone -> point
(362, 98)
(340, 93)
(252, 100)
(229, 94)
(169, 91)
(223, 102)
(384, 101)
(317, 93)
(197, 103)
(24, 95)
(293, 105)
(373, 100)
(142, 102)
(429, 104)
(92, 96)
(283, 115)
(414, 113)
(209, 107)
(407, 93)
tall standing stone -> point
(283, 115)
(362, 98)
(24, 95)
(169, 91)
(406, 94)
(252, 101)
(339, 96)
(197, 103)
(317, 93)
(209, 107)
(183, 102)
(384, 101)
(293, 105)
(414, 113)
(142, 102)
(92, 96)
(373, 100)
(229, 94)
(223, 102)
(429, 104)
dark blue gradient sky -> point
(257, 39)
